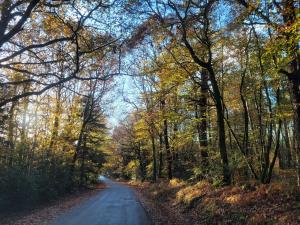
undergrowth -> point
(250, 203)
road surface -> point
(115, 205)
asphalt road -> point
(115, 205)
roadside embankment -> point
(180, 203)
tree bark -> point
(221, 127)
(154, 170)
(161, 161)
(293, 74)
(82, 166)
(201, 115)
(167, 145)
(11, 125)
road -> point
(115, 205)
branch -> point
(17, 28)
(35, 46)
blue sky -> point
(118, 109)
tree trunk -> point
(74, 159)
(270, 169)
(277, 143)
(202, 126)
(154, 170)
(82, 166)
(294, 82)
(289, 17)
(221, 127)
(246, 116)
(24, 121)
(219, 106)
(11, 125)
(285, 154)
(167, 146)
(161, 161)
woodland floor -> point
(178, 203)
(44, 214)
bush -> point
(23, 185)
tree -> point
(36, 57)
(284, 24)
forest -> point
(172, 96)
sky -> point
(124, 92)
